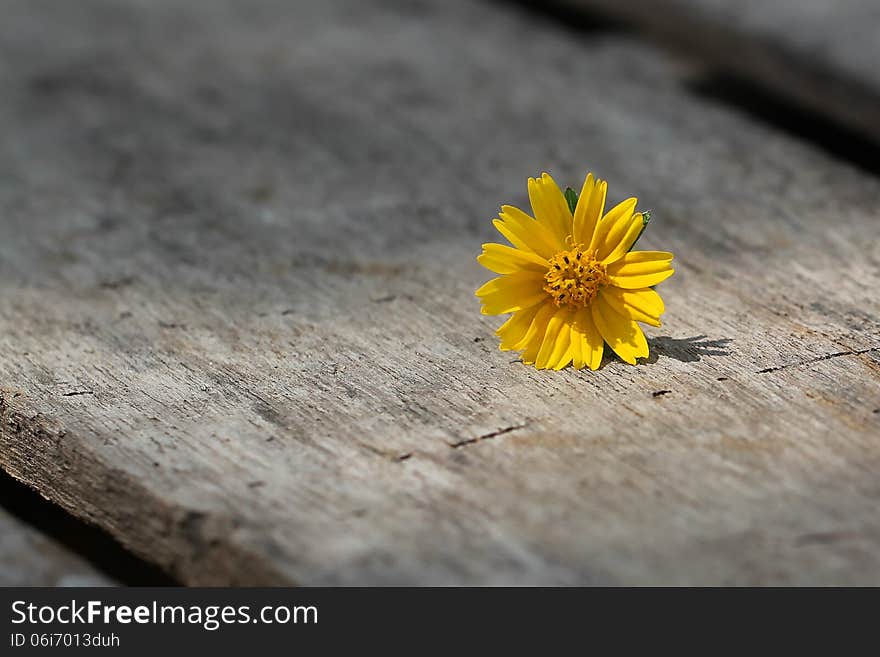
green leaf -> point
(646, 217)
(571, 197)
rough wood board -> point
(238, 329)
(30, 558)
(822, 53)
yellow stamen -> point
(574, 277)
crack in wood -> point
(818, 359)
(385, 454)
(487, 436)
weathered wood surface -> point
(30, 558)
(238, 329)
(821, 53)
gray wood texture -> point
(30, 558)
(237, 323)
(820, 53)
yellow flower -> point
(570, 279)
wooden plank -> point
(238, 329)
(820, 53)
(30, 558)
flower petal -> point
(515, 224)
(551, 208)
(612, 227)
(639, 269)
(643, 305)
(592, 344)
(590, 206)
(563, 344)
(561, 355)
(504, 259)
(512, 292)
(621, 333)
(534, 337)
(516, 327)
(632, 229)
(548, 346)
(577, 352)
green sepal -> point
(646, 217)
(571, 197)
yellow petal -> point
(565, 359)
(621, 333)
(643, 305)
(551, 208)
(516, 327)
(592, 344)
(538, 326)
(590, 206)
(637, 257)
(639, 269)
(611, 228)
(561, 355)
(512, 292)
(577, 352)
(549, 344)
(534, 337)
(504, 259)
(511, 235)
(631, 230)
(513, 223)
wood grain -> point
(818, 53)
(238, 330)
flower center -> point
(574, 277)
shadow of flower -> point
(687, 350)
